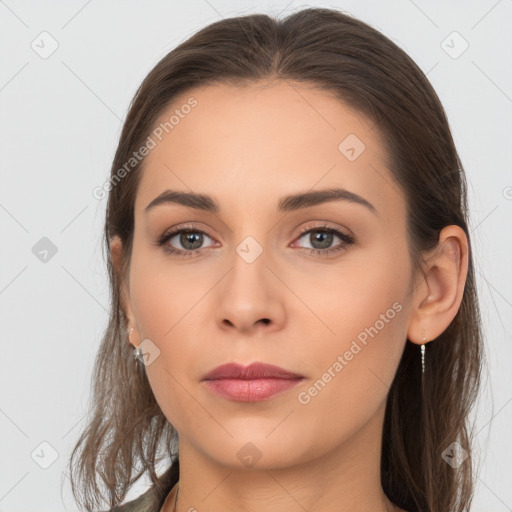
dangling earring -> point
(423, 354)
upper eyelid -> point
(179, 229)
(322, 225)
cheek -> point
(367, 293)
(366, 312)
(162, 301)
(352, 373)
(161, 294)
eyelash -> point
(347, 241)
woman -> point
(289, 257)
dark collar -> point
(153, 499)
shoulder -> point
(146, 502)
(153, 499)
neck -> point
(343, 479)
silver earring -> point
(137, 352)
(423, 354)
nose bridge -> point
(249, 262)
(250, 292)
(250, 238)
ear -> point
(116, 247)
(437, 296)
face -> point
(319, 288)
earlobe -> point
(439, 299)
(131, 337)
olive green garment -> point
(146, 502)
(153, 499)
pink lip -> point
(252, 383)
(252, 371)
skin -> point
(248, 147)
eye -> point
(190, 239)
(322, 237)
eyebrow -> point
(286, 204)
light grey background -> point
(61, 117)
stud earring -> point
(137, 352)
(138, 355)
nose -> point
(250, 298)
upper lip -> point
(252, 371)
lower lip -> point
(250, 390)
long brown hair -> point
(127, 431)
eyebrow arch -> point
(286, 204)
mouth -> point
(253, 383)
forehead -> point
(263, 140)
